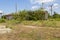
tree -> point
(31, 15)
(56, 15)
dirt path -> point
(3, 29)
(39, 27)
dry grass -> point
(31, 30)
(26, 33)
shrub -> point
(2, 20)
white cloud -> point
(48, 8)
(1, 11)
(56, 5)
(35, 7)
(40, 1)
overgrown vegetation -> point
(49, 27)
(36, 17)
(2, 20)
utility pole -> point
(51, 9)
(42, 6)
(16, 6)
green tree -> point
(56, 15)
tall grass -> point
(46, 23)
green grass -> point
(45, 23)
(40, 23)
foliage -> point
(33, 15)
(56, 15)
(30, 15)
(2, 20)
(13, 22)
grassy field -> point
(46, 23)
(43, 23)
(32, 30)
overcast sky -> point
(8, 6)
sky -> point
(8, 6)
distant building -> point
(9, 16)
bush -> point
(13, 22)
(30, 15)
(2, 20)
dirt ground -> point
(24, 32)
